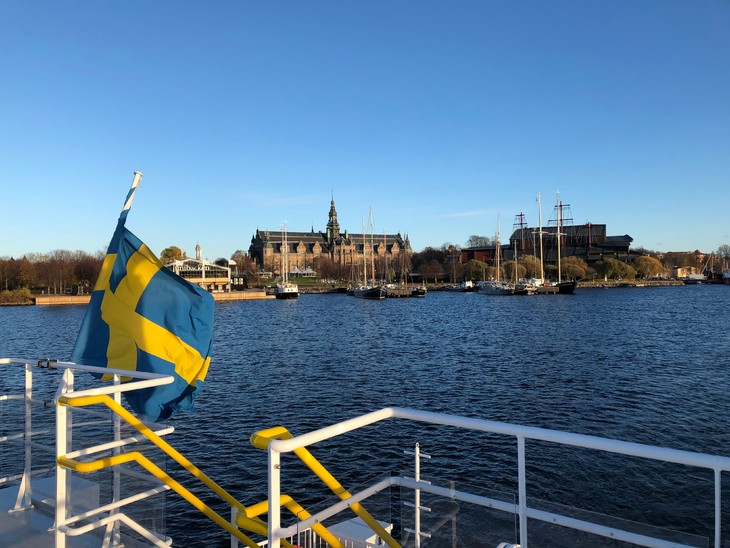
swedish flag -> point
(143, 317)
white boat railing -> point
(111, 516)
(717, 464)
(108, 516)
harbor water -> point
(649, 365)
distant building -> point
(587, 241)
(209, 276)
(348, 250)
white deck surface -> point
(31, 528)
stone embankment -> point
(628, 283)
(248, 295)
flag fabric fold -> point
(143, 317)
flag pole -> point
(130, 195)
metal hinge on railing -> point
(46, 364)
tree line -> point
(443, 264)
(58, 272)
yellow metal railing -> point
(246, 518)
(261, 440)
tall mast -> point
(385, 259)
(559, 236)
(372, 247)
(520, 223)
(539, 212)
(364, 259)
(285, 257)
(497, 249)
(563, 217)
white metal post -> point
(117, 489)
(453, 520)
(522, 488)
(417, 497)
(417, 520)
(718, 506)
(24, 491)
(63, 444)
(234, 540)
(274, 497)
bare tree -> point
(87, 268)
(432, 270)
(478, 241)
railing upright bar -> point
(522, 489)
(63, 443)
(274, 497)
(24, 491)
(234, 540)
(417, 501)
(117, 495)
(718, 506)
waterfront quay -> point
(248, 295)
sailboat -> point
(560, 287)
(416, 291)
(496, 286)
(285, 289)
(371, 291)
(401, 288)
(521, 287)
(568, 287)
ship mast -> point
(559, 236)
(497, 249)
(372, 248)
(539, 213)
(285, 257)
(560, 221)
(364, 258)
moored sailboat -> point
(567, 287)
(496, 286)
(558, 287)
(363, 290)
(285, 289)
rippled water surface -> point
(642, 364)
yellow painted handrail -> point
(299, 511)
(147, 432)
(244, 519)
(261, 440)
(155, 470)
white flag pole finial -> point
(130, 196)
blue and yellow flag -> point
(143, 317)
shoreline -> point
(59, 300)
(262, 294)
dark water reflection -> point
(647, 365)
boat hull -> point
(290, 291)
(566, 288)
(373, 293)
(496, 288)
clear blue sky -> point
(439, 115)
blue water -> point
(649, 365)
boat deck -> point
(32, 527)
